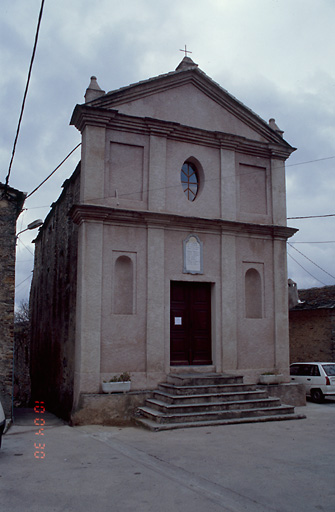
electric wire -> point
(171, 186)
(25, 94)
(223, 178)
(23, 105)
(305, 269)
(130, 193)
(53, 172)
(320, 242)
(307, 258)
(33, 191)
(26, 279)
(24, 245)
(313, 216)
(38, 207)
(311, 161)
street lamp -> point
(33, 225)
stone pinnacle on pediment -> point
(93, 91)
(186, 63)
(273, 125)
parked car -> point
(317, 378)
(2, 422)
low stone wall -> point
(116, 409)
(289, 393)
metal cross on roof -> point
(186, 51)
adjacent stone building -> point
(166, 251)
(11, 203)
(312, 326)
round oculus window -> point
(189, 180)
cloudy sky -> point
(276, 56)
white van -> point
(317, 378)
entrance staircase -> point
(196, 400)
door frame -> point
(209, 362)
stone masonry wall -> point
(53, 304)
(21, 364)
(11, 202)
(312, 335)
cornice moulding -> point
(111, 119)
(93, 213)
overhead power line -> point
(311, 161)
(58, 166)
(24, 245)
(325, 242)
(26, 279)
(307, 258)
(297, 262)
(130, 193)
(312, 216)
(25, 93)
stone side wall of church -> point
(312, 335)
(53, 304)
(8, 216)
(21, 364)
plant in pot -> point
(117, 384)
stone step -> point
(165, 418)
(204, 389)
(156, 427)
(194, 408)
(171, 398)
(198, 379)
(209, 399)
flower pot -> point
(271, 379)
(115, 387)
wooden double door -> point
(190, 324)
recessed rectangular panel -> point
(253, 193)
(126, 171)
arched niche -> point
(123, 299)
(253, 294)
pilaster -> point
(229, 303)
(281, 327)
(228, 184)
(88, 314)
(157, 172)
(155, 301)
(278, 190)
(92, 164)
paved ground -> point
(286, 466)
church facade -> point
(176, 226)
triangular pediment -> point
(189, 97)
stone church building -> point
(166, 251)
